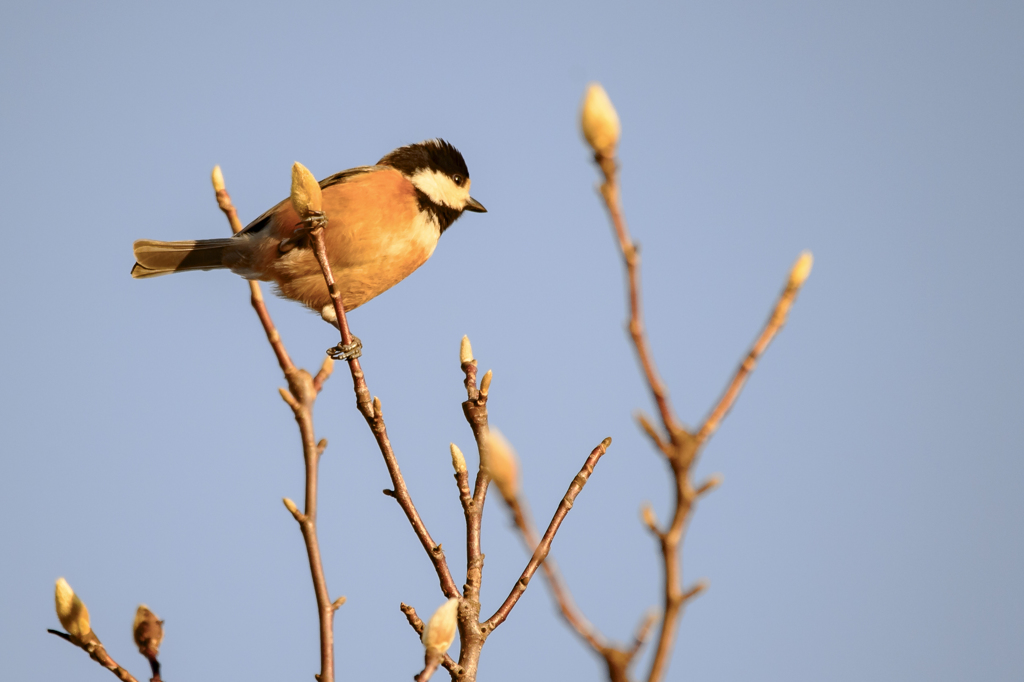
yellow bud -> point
(458, 461)
(485, 383)
(218, 179)
(71, 611)
(148, 631)
(502, 464)
(307, 198)
(465, 351)
(599, 121)
(439, 632)
(801, 270)
(290, 506)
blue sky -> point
(869, 523)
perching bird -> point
(383, 222)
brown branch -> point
(90, 644)
(681, 447)
(375, 419)
(559, 590)
(775, 323)
(417, 625)
(300, 397)
(544, 546)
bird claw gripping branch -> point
(346, 352)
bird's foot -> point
(346, 352)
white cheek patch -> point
(441, 189)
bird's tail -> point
(161, 258)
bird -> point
(383, 222)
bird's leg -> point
(341, 351)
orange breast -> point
(375, 238)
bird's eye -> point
(458, 179)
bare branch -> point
(300, 396)
(549, 535)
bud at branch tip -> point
(485, 383)
(458, 461)
(502, 464)
(440, 630)
(71, 612)
(801, 270)
(307, 198)
(599, 121)
(218, 179)
(465, 351)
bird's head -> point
(438, 172)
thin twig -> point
(544, 546)
(91, 645)
(370, 409)
(300, 396)
(563, 597)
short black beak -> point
(475, 206)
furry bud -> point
(599, 121)
(440, 630)
(458, 461)
(801, 270)
(71, 611)
(148, 631)
(485, 383)
(307, 198)
(502, 464)
(465, 351)
(218, 179)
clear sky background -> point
(869, 526)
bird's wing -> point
(343, 176)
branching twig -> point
(679, 446)
(300, 397)
(544, 546)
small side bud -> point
(485, 383)
(801, 270)
(599, 121)
(458, 461)
(148, 632)
(307, 198)
(290, 506)
(465, 351)
(218, 179)
(502, 464)
(377, 408)
(71, 612)
(714, 480)
(439, 632)
(650, 520)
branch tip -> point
(217, 177)
(485, 383)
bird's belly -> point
(364, 265)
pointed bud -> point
(458, 461)
(485, 383)
(307, 198)
(377, 408)
(502, 464)
(650, 520)
(439, 632)
(801, 270)
(290, 506)
(218, 179)
(465, 351)
(71, 611)
(148, 631)
(599, 121)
